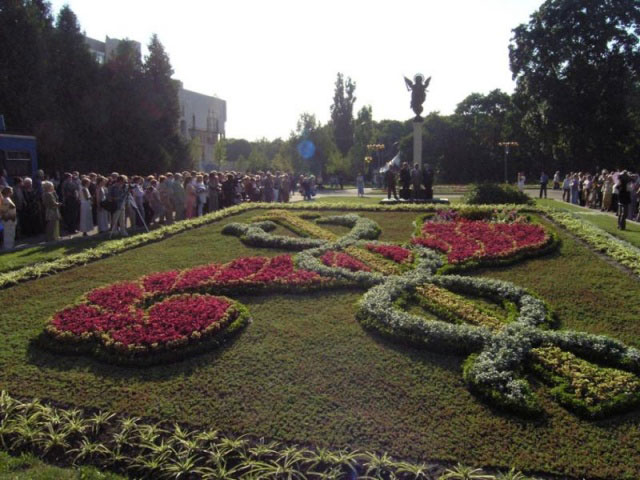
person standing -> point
(118, 194)
(405, 181)
(415, 182)
(521, 181)
(566, 188)
(178, 196)
(102, 216)
(86, 216)
(191, 197)
(624, 199)
(52, 212)
(390, 182)
(360, 184)
(214, 192)
(544, 181)
(8, 216)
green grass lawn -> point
(305, 371)
(27, 467)
(44, 253)
(609, 223)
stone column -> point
(417, 142)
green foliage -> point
(342, 113)
(576, 68)
(50, 86)
(493, 193)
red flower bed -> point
(340, 259)
(463, 239)
(280, 269)
(117, 316)
(117, 297)
(241, 268)
(392, 252)
(161, 282)
(177, 318)
(196, 276)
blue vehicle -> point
(18, 154)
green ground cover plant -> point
(29, 467)
(306, 372)
(606, 222)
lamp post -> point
(376, 147)
(507, 146)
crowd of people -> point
(86, 203)
(618, 191)
(411, 179)
(615, 191)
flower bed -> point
(588, 389)
(297, 224)
(392, 252)
(464, 240)
(602, 241)
(343, 260)
(169, 312)
(454, 308)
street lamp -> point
(376, 147)
(507, 146)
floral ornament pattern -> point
(503, 344)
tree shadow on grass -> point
(68, 362)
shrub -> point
(493, 193)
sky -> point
(273, 60)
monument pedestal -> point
(417, 142)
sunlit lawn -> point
(605, 221)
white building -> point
(202, 117)
(202, 121)
(103, 51)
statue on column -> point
(418, 90)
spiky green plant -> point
(512, 474)
(415, 471)
(88, 450)
(377, 465)
(99, 420)
(149, 433)
(51, 438)
(180, 465)
(462, 472)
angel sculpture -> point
(418, 92)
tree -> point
(25, 34)
(237, 148)
(363, 136)
(220, 153)
(342, 113)
(72, 134)
(162, 107)
(577, 66)
(481, 120)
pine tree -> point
(342, 113)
